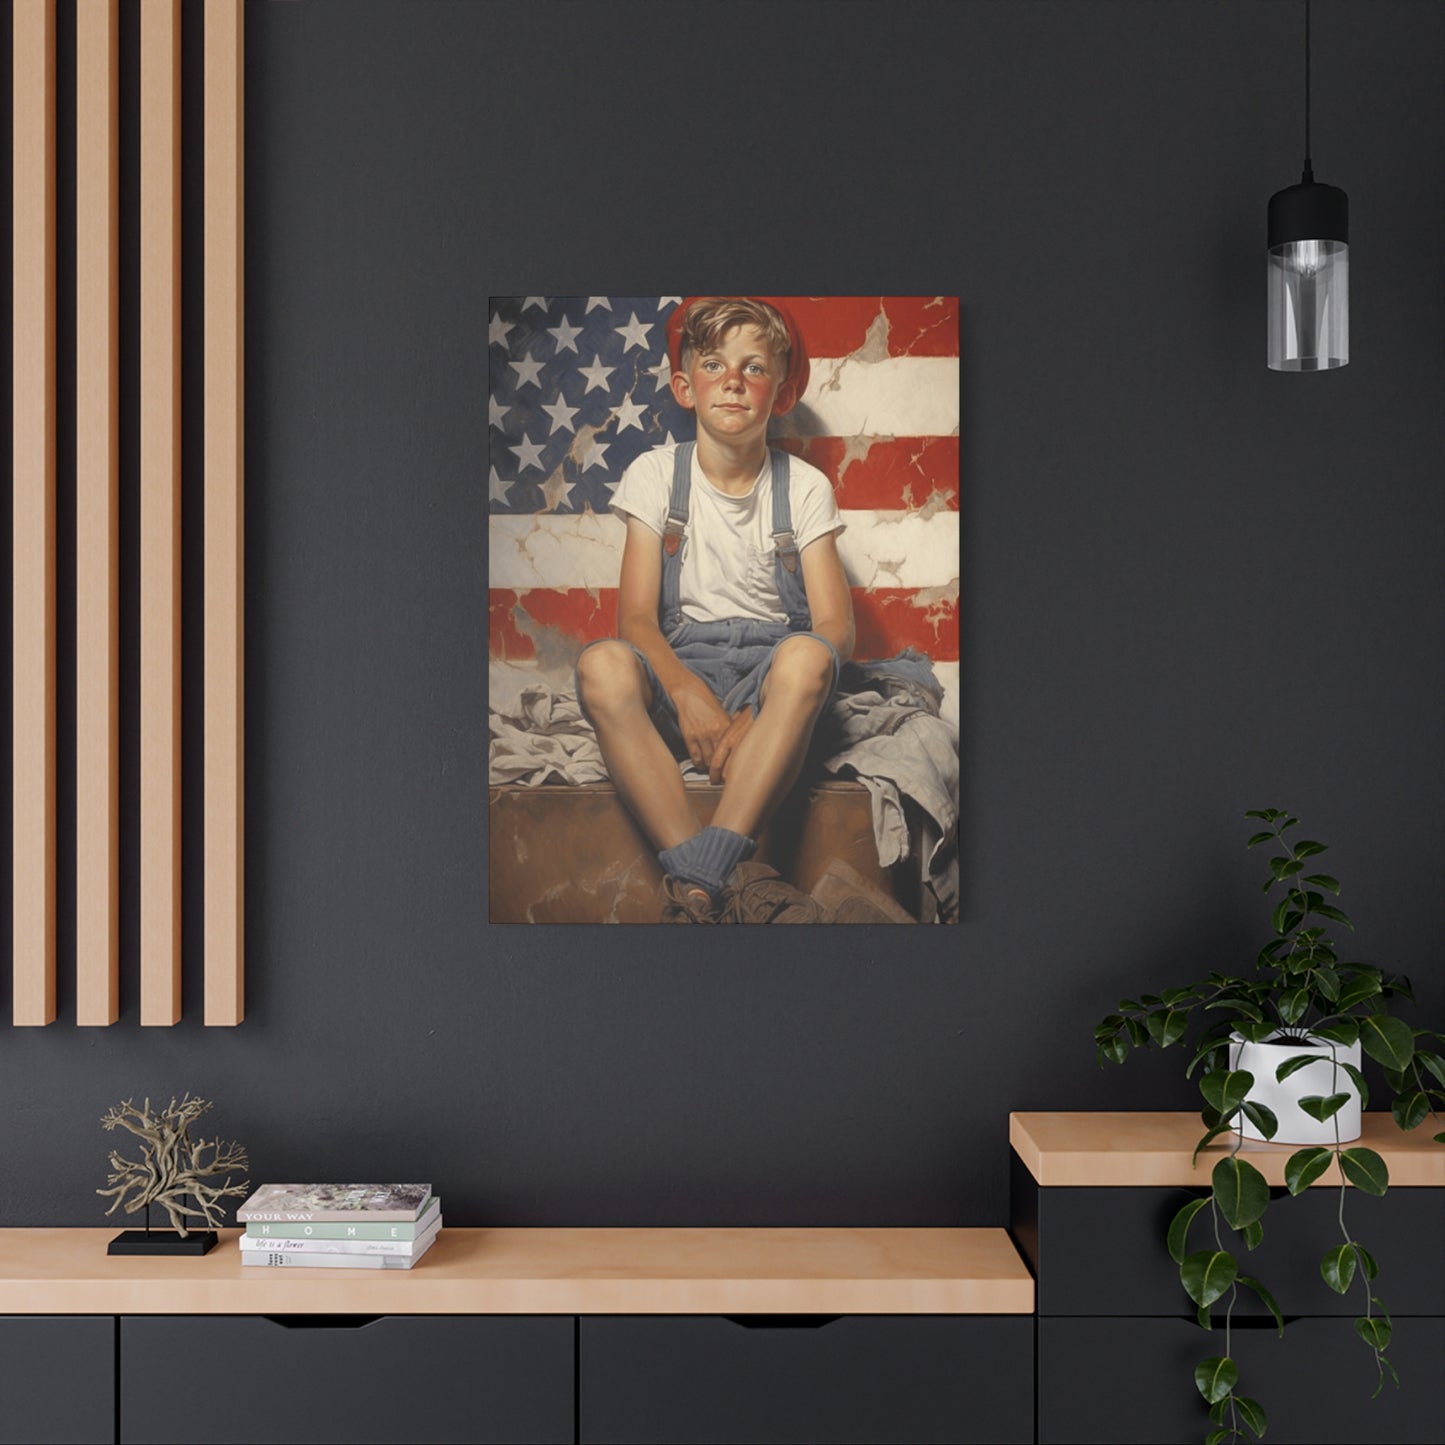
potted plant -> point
(1284, 1043)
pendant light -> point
(1309, 266)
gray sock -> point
(707, 858)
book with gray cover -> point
(335, 1203)
(367, 1228)
(406, 1247)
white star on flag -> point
(593, 302)
(497, 489)
(663, 300)
(629, 413)
(527, 371)
(635, 333)
(540, 302)
(561, 414)
(596, 374)
(495, 412)
(529, 454)
(596, 450)
(661, 374)
(566, 335)
(497, 331)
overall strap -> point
(669, 611)
(791, 592)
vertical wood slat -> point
(97, 433)
(33, 503)
(225, 512)
(160, 503)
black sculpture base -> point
(162, 1241)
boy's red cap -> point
(795, 383)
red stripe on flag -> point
(551, 622)
(883, 473)
(839, 325)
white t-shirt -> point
(728, 557)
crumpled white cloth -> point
(891, 739)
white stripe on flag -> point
(904, 396)
(583, 549)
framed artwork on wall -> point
(701, 510)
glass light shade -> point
(1309, 305)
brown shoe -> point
(845, 896)
(757, 894)
(684, 902)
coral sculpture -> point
(172, 1165)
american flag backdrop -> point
(579, 387)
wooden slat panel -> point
(33, 657)
(97, 432)
(225, 512)
(160, 529)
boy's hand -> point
(701, 719)
(722, 755)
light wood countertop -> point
(1099, 1150)
(543, 1271)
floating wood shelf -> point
(543, 1271)
(1111, 1149)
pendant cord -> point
(1309, 172)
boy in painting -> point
(734, 615)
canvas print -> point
(723, 563)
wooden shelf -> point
(543, 1271)
(1111, 1149)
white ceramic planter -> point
(1295, 1126)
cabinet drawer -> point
(57, 1380)
(785, 1378)
(1117, 1381)
(1101, 1251)
(345, 1378)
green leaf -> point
(1345, 1033)
(1270, 1302)
(1202, 1315)
(1259, 838)
(1304, 1166)
(1440, 1137)
(1138, 1034)
(1240, 1191)
(1321, 1108)
(1150, 1000)
(1365, 1170)
(1207, 1048)
(1226, 1089)
(1367, 1262)
(1262, 1117)
(1166, 1026)
(1106, 1028)
(1374, 1332)
(1178, 1237)
(1308, 848)
(1387, 1040)
(1411, 1110)
(1253, 1413)
(1267, 815)
(1294, 1064)
(1129, 1005)
(1335, 915)
(1338, 1267)
(1358, 1080)
(1216, 1377)
(1357, 990)
(1283, 868)
(1385, 1365)
(1115, 1050)
(1239, 1005)
(1280, 912)
(1326, 979)
(1218, 1437)
(1218, 1411)
(1292, 1004)
(1433, 1062)
(1215, 1130)
(1398, 1079)
(1207, 1274)
(1323, 880)
(1253, 1234)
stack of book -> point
(339, 1226)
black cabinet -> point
(806, 1379)
(318, 1378)
(57, 1380)
(1118, 1343)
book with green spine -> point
(362, 1229)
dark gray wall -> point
(1190, 586)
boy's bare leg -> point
(616, 693)
(769, 757)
